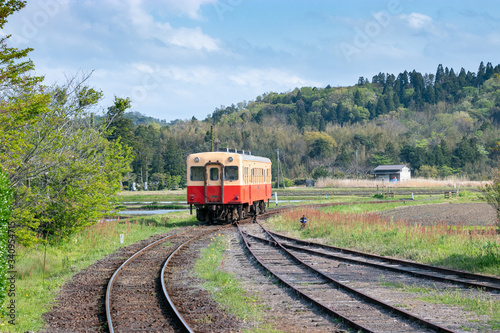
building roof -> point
(385, 168)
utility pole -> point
(282, 173)
(278, 153)
(356, 164)
(212, 138)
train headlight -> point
(196, 159)
(230, 159)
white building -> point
(393, 173)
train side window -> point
(231, 172)
(214, 174)
(197, 173)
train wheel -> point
(262, 207)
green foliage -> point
(6, 197)
(69, 171)
(491, 194)
(321, 172)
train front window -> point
(214, 174)
(197, 174)
(231, 173)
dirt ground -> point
(449, 213)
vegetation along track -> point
(135, 298)
(470, 280)
(343, 290)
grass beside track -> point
(355, 227)
(483, 304)
(226, 288)
(35, 295)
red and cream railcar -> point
(227, 185)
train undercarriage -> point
(228, 213)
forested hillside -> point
(439, 124)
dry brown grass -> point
(415, 182)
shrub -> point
(299, 181)
(6, 195)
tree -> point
(22, 98)
(320, 144)
(321, 172)
(381, 108)
(6, 197)
(491, 193)
(119, 126)
(70, 171)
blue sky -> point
(182, 58)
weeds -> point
(458, 247)
(477, 302)
(224, 286)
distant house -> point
(393, 173)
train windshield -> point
(231, 173)
(197, 173)
(214, 174)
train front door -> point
(213, 183)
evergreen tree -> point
(439, 79)
(381, 107)
(481, 74)
(357, 98)
(389, 102)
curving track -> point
(136, 298)
(316, 278)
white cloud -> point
(193, 39)
(190, 8)
(420, 22)
(269, 79)
(189, 38)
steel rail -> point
(385, 267)
(325, 308)
(164, 287)
(112, 279)
(366, 297)
(465, 275)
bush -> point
(6, 196)
(299, 181)
(464, 194)
(288, 183)
(321, 172)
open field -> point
(413, 183)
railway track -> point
(460, 278)
(316, 278)
(136, 296)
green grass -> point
(354, 227)
(35, 295)
(482, 304)
(226, 289)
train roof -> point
(244, 155)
